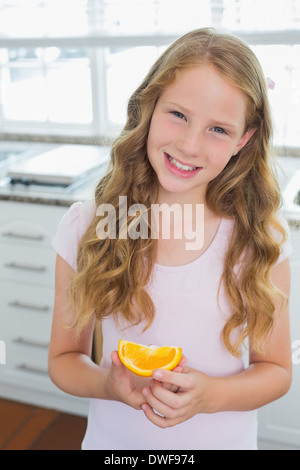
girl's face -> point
(197, 125)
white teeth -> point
(180, 166)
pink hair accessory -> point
(270, 84)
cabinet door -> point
(26, 232)
(28, 224)
(280, 420)
(26, 326)
(30, 265)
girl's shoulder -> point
(71, 228)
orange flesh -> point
(143, 360)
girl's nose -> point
(189, 142)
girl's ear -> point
(245, 139)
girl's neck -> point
(174, 251)
(200, 221)
(165, 197)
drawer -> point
(25, 326)
(27, 358)
(29, 224)
(25, 312)
(30, 264)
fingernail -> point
(145, 392)
(157, 374)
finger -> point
(164, 400)
(179, 369)
(183, 362)
(155, 418)
(182, 380)
(126, 392)
(173, 388)
(115, 359)
(168, 386)
(162, 408)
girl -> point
(198, 132)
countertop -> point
(39, 194)
(58, 197)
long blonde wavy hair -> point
(113, 273)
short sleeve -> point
(70, 230)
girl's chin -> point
(191, 193)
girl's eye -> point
(178, 114)
(219, 130)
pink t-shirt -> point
(188, 314)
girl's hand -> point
(180, 368)
(165, 407)
(120, 384)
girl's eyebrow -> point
(182, 108)
(231, 125)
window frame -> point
(95, 46)
(52, 128)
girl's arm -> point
(69, 360)
(267, 378)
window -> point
(285, 97)
(260, 15)
(131, 64)
(46, 85)
(69, 66)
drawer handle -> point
(31, 342)
(40, 308)
(31, 369)
(24, 236)
(28, 267)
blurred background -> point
(67, 69)
(69, 66)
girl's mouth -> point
(175, 167)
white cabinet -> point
(279, 422)
(27, 266)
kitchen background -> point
(67, 68)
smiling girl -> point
(198, 132)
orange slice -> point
(142, 360)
